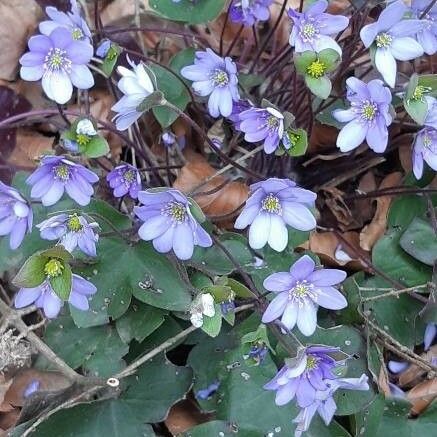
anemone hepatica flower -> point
(391, 35)
(203, 305)
(72, 231)
(430, 335)
(15, 215)
(425, 149)
(125, 179)
(262, 125)
(44, 297)
(215, 77)
(324, 403)
(272, 205)
(367, 118)
(168, 222)
(300, 292)
(60, 61)
(56, 175)
(313, 29)
(248, 12)
(136, 85)
(427, 37)
(72, 21)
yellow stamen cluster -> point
(383, 40)
(271, 204)
(311, 363)
(316, 69)
(74, 223)
(53, 268)
(82, 139)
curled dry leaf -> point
(422, 395)
(375, 230)
(226, 201)
(18, 20)
(413, 374)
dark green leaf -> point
(212, 325)
(248, 81)
(62, 284)
(151, 101)
(321, 86)
(97, 147)
(303, 60)
(111, 59)
(57, 252)
(417, 110)
(330, 58)
(31, 273)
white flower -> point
(203, 305)
(85, 127)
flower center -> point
(77, 34)
(368, 110)
(129, 176)
(301, 291)
(74, 223)
(316, 69)
(177, 211)
(82, 139)
(383, 40)
(220, 78)
(57, 60)
(419, 92)
(311, 362)
(271, 204)
(272, 122)
(308, 31)
(53, 268)
(62, 172)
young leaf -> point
(97, 147)
(303, 60)
(62, 284)
(321, 86)
(31, 273)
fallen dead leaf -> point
(374, 231)
(422, 395)
(225, 201)
(4, 387)
(383, 383)
(183, 416)
(18, 20)
(415, 374)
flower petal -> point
(259, 231)
(327, 277)
(307, 318)
(276, 308)
(279, 281)
(278, 235)
(386, 64)
(351, 136)
(405, 49)
(302, 268)
(330, 298)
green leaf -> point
(31, 273)
(367, 421)
(412, 85)
(248, 81)
(213, 428)
(417, 110)
(139, 322)
(303, 60)
(151, 101)
(420, 241)
(98, 349)
(62, 284)
(403, 210)
(155, 387)
(320, 87)
(297, 140)
(174, 91)
(111, 59)
(239, 289)
(430, 81)
(221, 293)
(187, 10)
(325, 116)
(181, 59)
(212, 325)
(330, 58)
(105, 418)
(97, 147)
(196, 210)
(57, 252)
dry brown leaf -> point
(405, 157)
(414, 374)
(117, 10)
(225, 201)
(375, 230)
(422, 395)
(4, 387)
(29, 147)
(364, 207)
(183, 416)
(18, 20)
(383, 383)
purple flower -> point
(72, 231)
(262, 125)
(227, 306)
(44, 297)
(397, 366)
(72, 21)
(425, 149)
(367, 118)
(125, 179)
(207, 392)
(311, 371)
(31, 388)
(427, 37)
(168, 222)
(56, 175)
(312, 29)
(60, 61)
(274, 204)
(392, 37)
(430, 335)
(248, 12)
(324, 403)
(300, 292)
(257, 352)
(103, 48)
(136, 85)
(215, 77)
(16, 215)
(237, 109)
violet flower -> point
(169, 223)
(16, 215)
(57, 174)
(430, 335)
(392, 36)
(274, 204)
(262, 125)
(136, 85)
(397, 366)
(248, 12)
(44, 297)
(424, 150)
(71, 231)
(215, 77)
(72, 21)
(367, 118)
(60, 61)
(125, 179)
(313, 29)
(300, 292)
(237, 109)
(427, 37)
(103, 48)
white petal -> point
(307, 318)
(58, 87)
(278, 235)
(259, 231)
(386, 65)
(406, 49)
(351, 136)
